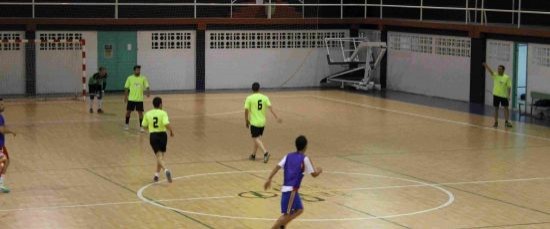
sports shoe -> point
(252, 157)
(266, 157)
(126, 127)
(156, 179)
(168, 176)
(91, 111)
(495, 125)
(508, 124)
(99, 111)
(4, 189)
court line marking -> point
(509, 225)
(223, 197)
(319, 191)
(480, 194)
(449, 201)
(132, 191)
(428, 117)
(440, 184)
(111, 203)
(97, 120)
(118, 98)
(366, 213)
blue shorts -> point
(291, 202)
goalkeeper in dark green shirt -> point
(96, 86)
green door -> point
(117, 51)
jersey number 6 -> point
(260, 105)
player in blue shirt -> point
(4, 157)
(294, 165)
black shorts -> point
(158, 141)
(256, 131)
(95, 90)
(499, 101)
(132, 106)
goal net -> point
(42, 68)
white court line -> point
(449, 201)
(429, 117)
(224, 96)
(439, 184)
(24, 123)
(224, 197)
(97, 120)
(196, 198)
(114, 99)
(111, 203)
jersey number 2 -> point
(260, 105)
(156, 122)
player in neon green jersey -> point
(134, 87)
(157, 122)
(255, 108)
(502, 87)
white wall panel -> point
(12, 64)
(294, 58)
(429, 65)
(169, 57)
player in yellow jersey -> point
(502, 89)
(254, 114)
(134, 87)
(157, 122)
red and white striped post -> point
(84, 76)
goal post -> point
(60, 65)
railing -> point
(467, 9)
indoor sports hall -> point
(417, 114)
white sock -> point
(91, 103)
(100, 103)
(2, 180)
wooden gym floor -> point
(388, 165)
